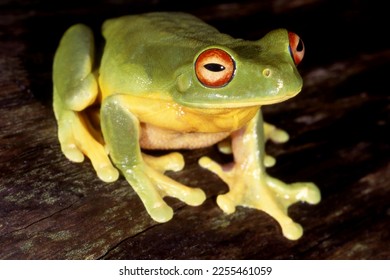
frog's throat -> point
(167, 114)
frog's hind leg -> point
(121, 130)
(75, 88)
(77, 139)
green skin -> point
(146, 79)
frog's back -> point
(143, 52)
(164, 26)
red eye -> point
(297, 49)
(214, 68)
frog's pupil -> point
(300, 46)
(214, 67)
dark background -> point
(51, 208)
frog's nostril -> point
(267, 72)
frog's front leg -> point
(250, 186)
(271, 132)
(121, 130)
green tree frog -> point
(169, 81)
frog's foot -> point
(78, 138)
(150, 183)
(257, 190)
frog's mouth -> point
(224, 102)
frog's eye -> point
(297, 49)
(214, 68)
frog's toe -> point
(215, 167)
(225, 146)
(72, 153)
(194, 197)
(169, 187)
(68, 143)
(165, 186)
(309, 193)
(292, 230)
(172, 162)
(161, 213)
(107, 173)
(156, 166)
(269, 161)
(226, 204)
(279, 136)
(301, 191)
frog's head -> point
(243, 74)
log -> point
(51, 208)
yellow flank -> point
(170, 115)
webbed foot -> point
(150, 183)
(251, 189)
(249, 184)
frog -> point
(169, 81)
